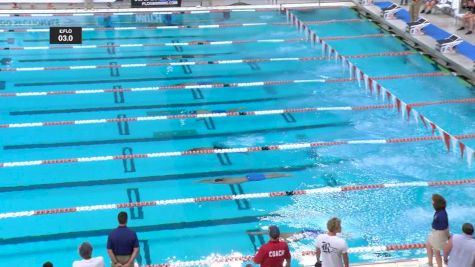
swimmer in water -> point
(252, 177)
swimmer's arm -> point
(277, 175)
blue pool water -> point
(177, 232)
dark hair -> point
(47, 264)
(439, 202)
(467, 228)
(85, 250)
(122, 217)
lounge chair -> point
(415, 28)
(445, 6)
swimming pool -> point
(101, 101)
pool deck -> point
(456, 62)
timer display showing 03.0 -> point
(65, 38)
(65, 35)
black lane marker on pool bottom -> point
(253, 237)
(197, 94)
(161, 57)
(138, 229)
(173, 137)
(114, 70)
(186, 69)
(128, 164)
(119, 97)
(141, 79)
(143, 258)
(123, 126)
(256, 100)
(242, 204)
(157, 178)
(289, 118)
(110, 50)
(208, 122)
(120, 38)
(136, 213)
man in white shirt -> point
(332, 249)
(85, 251)
(460, 250)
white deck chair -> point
(415, 28)
(390, 11)
(444, 6)
(448, 44)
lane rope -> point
(289, 146)
(190, 63)
(206, 26)
(193, 200)
(195, 114)
(371, 85)
(192, 43)
(211, 85)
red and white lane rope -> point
(336, 38)
(375, 88)
(212, 260)
(193, 43)
(192, 115)
(331, 21)
(192, 200)
(289, 146)
(207, 26)
(211, 85)
(122, 13)
(191, 63)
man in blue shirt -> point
(122, 244)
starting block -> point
(415, 28)
(390, 11)
(448, 44)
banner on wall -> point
(155, 3)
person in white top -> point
(332, 249)
(460, 250)
(85, 251)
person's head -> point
(85, 250)
(467, 228)
(334, 225)
(122, 218)
(274, 232)
(438, 202)
(47, 264)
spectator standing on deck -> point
(469, 17)
(440, 231)
(460, 250)
(332, 249)
(85, 251)
(414, 8)
(122, 244)
(429, 4)
(274, 252)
